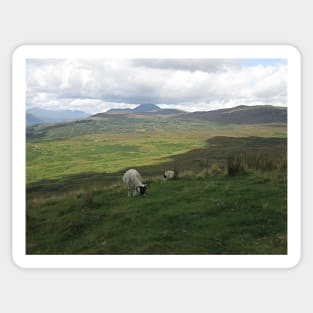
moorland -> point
(230, 196)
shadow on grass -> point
(219, 148)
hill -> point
(165, 120)
(240, 215)
(259, 114)
(124, 110)
(146, 108)
(49, 116)
(166, 112)
(142, 108)
(31, 119)
(77, 204)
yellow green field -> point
(113, 151)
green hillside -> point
(111, 145)
(192, 215)
(243, 115)
(76, 203)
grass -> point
(142, 125)
(101, 153)
(56, 151)
(214, 215)
(76, 203)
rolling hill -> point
(234, 175)
(31, 119)
(260, 114)
(161, 120)
(242, 115)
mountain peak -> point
(146, 107)
(141, 108)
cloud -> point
(191, 84)
(204, 65)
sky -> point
(97, 85)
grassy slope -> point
(212, 215)
(56, 151)
(75, 206)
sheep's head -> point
(165, 174)
(142, 189)
(168, 174)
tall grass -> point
(236, 164)
(239, 163)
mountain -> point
(145, 108)
(37, 115)
(242, 114)
(168, 112)
(124, 123)
(31, 119)
(142, 108)
(120, 111)
(259, 114)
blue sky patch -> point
(265, 62)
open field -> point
(63, 149)
(76, 203)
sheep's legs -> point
(132, 193)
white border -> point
(150, 261)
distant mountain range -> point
(37, 115)
(242, 114)
(31, 119)
(237, 115)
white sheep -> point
(168, 174)
(132, 180)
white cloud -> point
(207, 65)
(98, 85)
